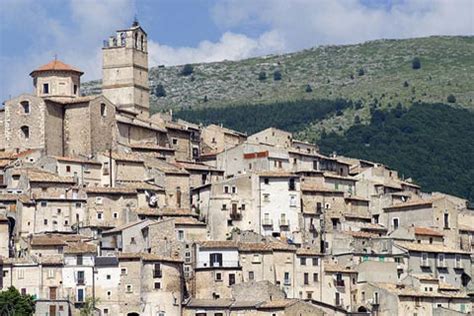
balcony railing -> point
(218, 264)
(284, 223)
(287, 282)
(81, 281)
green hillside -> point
(432, 143)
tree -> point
(277, 75)
(262, 76)
(89, 306)
(416, 63)
(187, 70)
(451, 98)
(308, 88)
(361, 72)
(160, 91)
(405, 84)
(12, 303)
(356, 120)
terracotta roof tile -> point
(56, 65)
(80, 247)
(425, 231)
(108, 190)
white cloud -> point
(230, 46)
(306, 23)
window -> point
(25, 131)
(180, 235)
(376, 218)
(26, 106)
(98, 200)
(446, 221)
(103, 110)
(309, 295)
(395, 222)
(175, 141)
(315, 277)
(224, 207)
(99, 215)
(21, 274)
(338, 299)
(266, 197)
(292, 201)
(231, 279)
(376, 297)
(315, 261)
(441, 262)
(218, 276)
(45, 222)
(306, 278)
(79, 260)
(115, 215)
(44, 204)
(291, 185)
(287, 278)
(303, 261)
(58, 210)
(178, 196)
(458, 263)
(424, 259)
(157, 285)
(132, 241)
(215, 259)
(234, 189)
(45, 88)
(129, 288)
(108, 277)
(266, 181)
(75, 89)
(68, 168)
(226, 189)
(242, 207)
(123, 271)
(80, 277)
(251, 275)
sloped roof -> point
(425, 231)
(56, 65)
(80, 247)
(109, 190)
(429, 248)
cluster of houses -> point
(104, 204)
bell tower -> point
(125, 69)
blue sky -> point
(186, 31)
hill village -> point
(105, 204)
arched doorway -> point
(133, 314)
(362, 309)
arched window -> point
(25, 131)
(136, 40)
(103, 109)
(141, 40)
(26, 106)
(122, 39)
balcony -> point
(81, 281)
(218, 264)
(458, 265)
(287, 282)
(284, 223)
(267, 222)
(157, 274)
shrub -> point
(277, 75)
(451, 98)
(416, 63)
(262, 76)
(308, 88)
(160, 91)
(205, 99)
(361, 72)
(405, 84)
(187, 70)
